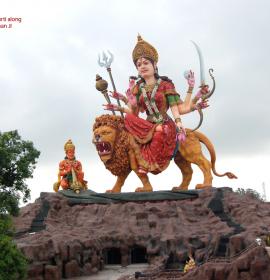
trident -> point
(107, 61)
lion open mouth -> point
(103, 148)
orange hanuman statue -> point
(70, 174)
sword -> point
(203, 84)
(202, 73)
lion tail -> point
(202, 138)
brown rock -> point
(124, 256)
(35, 270)
(63, 249)
(76, 236)
(236, 244)
(52, 273)
(233, 274)
(258, 265)
(243, 262)
(94, 270)
(95, 260)
(245, 276)
(220, 273)
(87, 269)
(72, 269)
(27, 215)
(208, 272)
(86, 255)
(75, 251)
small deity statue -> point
(189, 264)
(70, 174)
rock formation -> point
(62, 238)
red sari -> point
(154, 149)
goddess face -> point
(70, 154)
(145, 68)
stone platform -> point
(65, 235)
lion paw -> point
(203, 186)
(175, 189)
(144, 190)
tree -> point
(251, 192)
(13, 264)
(17, 163)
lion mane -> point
(119, 163)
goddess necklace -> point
(151, 104)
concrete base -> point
(114, 272)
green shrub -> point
(13, 264)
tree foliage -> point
(17, 163)
(13, 264)
(250, 192)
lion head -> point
(111, 141)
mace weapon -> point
(102, 85)
(106, 62)
(76, 186)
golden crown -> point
(69, 145)
(144, 49)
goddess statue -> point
(156, 137)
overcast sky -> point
(48, 64)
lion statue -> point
(115, 146)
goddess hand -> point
(111, 107)
(131, 98)
(190, 79)
(131, 83)
(204, 90)
(202, 105)
(198, 94)
(117, 95)
(181, 134)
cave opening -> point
(138, 254)
(112, 256)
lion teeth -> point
(103, 148)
